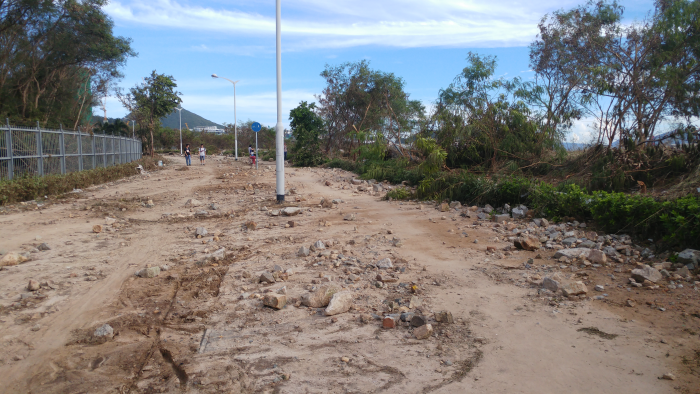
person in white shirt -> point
(202, 154)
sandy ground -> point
(200, 325)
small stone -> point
(444, 207)
(267, 277)
(501, 218)
(303, 251)
(326, 203)
(104, 331)
(193, 203)
(599, 288)
(340, 303)
(318, 245)
(389, 322)
(574, 288)
(345, 359)
(150, 272)
(291, 211)
(423, 332)
(597, 256)
(44, 247)
(668, 376)
(417, 320)
(350, 217)
(527, 243)
(36, 327)
(276, 301)
(200, 232)
(319, 298)
(97, 229)
(384, 263)
(33, 285)
(415, 302)
(646, 273)
(631, 303)
(444, 317)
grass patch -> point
(596, 331)
(29, 188)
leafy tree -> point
(150, 101)
(306, 127)
(56, 59)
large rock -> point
(689, 256)
(12, 258)
(319, 298)
(646, 273)
(291, 211)
(340, 303)
(574, 288)
(572, 253)
(276, 301)
(527, 243)
(423, 332)
(104, 331)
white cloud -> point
(347, 23)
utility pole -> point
(279, 128)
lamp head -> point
(214, 76)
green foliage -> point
(32, 187)
(306, 126)
(399, 193)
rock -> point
(518, 213)
(588, 244)
(646, 273)
(303, 251)
(356, 181)
(631, 303)
(572, 253)
(149, 204)
(350, 217)
(689, 256)
(292, 223)
(33, 285)
(43, 247)
(150, 272)
(389, 322)
(574, 288)
(273, 300)
(501, 218)
(545, 223)
(378, 187)
(553, 282)
(193, 203)
(267, 277)
(104, 331)
(444, 207)
(599, 288)
(318, 245)
(97, 229)
(444, 317)
(415, 302)
(200, 232)
(212, 257)
(319, 298)
(385, 263)
(418, 320)
(423, 332)
(214, 206)
(12, 258)
(527, 243)
(568, 241)
(683, 271)
(340, 303)
(326, 203)
(668, 376)
(291, 211)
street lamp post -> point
(180, 111)
(235, 119)
(133, 128)
(279, 127)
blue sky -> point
(425, 42)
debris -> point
(389, 322)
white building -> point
(209, 129)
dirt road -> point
(200, 325)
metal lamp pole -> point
(180, 110)
(133, 129)
(279, 128)
(235, 119)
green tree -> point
(306, 127)
(150, 101)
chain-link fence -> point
(38, 151)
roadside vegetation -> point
(493, 140)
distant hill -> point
(192, 120)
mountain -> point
(192, 120)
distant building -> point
(209, 129)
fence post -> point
(104, 150)
(10, 154)
(94, 153)
(39, 151)
(80, 150)
(62, 150)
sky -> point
(425, 42)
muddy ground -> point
(200, 326)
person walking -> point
(252, 157)
(188, 155)
(202, 154)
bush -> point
(399, 193)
